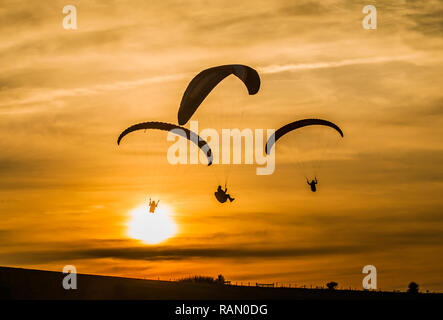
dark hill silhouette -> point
(18, 283)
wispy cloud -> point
(50, 95)
(171, 253)
(332, 64)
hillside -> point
(18, 283)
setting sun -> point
(151, 228)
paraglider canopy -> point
(181, 131)
(202, 84)
(297, 125)
(308, 157)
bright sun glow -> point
(151, 228)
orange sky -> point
(66, 188)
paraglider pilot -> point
(222, 196)
(153, 205)
(312, 184)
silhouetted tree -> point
(331, 285)
(221, 279)
(413, 287)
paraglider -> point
(312, 184)
(153, 205)
(203, 83)
(222, 195)
(295, 126)
(184, 132)
(200, 87)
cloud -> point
(6, 234)
(426, 17)
(171, 253)
(332, 64)
(50, 95)
(374, 231)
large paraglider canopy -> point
(199, 87)
(181, 131)
(297, 125)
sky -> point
(67, 190)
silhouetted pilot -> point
(153, 205)
(222, 196)
(312, 184)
